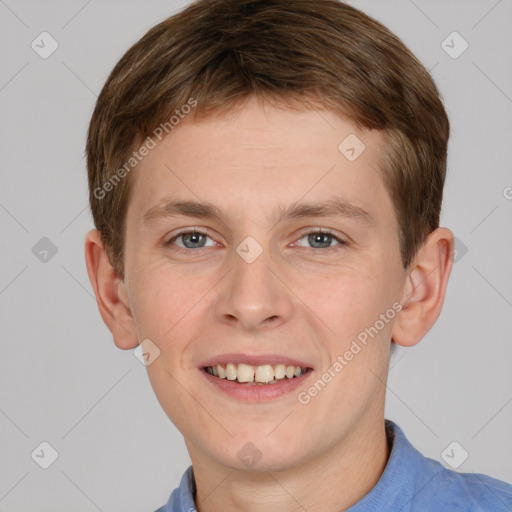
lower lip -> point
(256, 393)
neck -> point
(329, 482)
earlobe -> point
(111, 295)
(425, 288)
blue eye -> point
(190, 239)
(195, 239)
(321, 239)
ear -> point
(425, 288)
(110, 291)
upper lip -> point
(255, 360)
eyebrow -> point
(334, 207)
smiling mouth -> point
(256, 375)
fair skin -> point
(304, 297)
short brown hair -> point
(222, 52)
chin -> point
(262, 456)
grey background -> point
(63, 381)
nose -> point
(254, 295)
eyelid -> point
(308, 231)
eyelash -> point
(303, 233)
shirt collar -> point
(406, 473)
(404, 476)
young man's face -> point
(257, 285)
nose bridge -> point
(252, 295)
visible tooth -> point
(280, 372)
(230, 371)
(264, 374)
(245, 373)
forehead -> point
(263, 159)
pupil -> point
(193, 237)
(317, 238)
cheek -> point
(170, 310)
(348, 301)
(361, 314)
(160, 300)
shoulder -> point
(446, 489)
(182, 498)
(468, 492)
(420, 484)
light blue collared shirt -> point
(410, 483)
